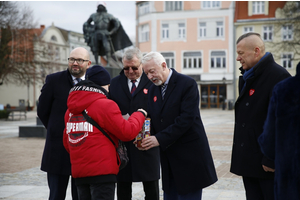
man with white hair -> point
(177, 128)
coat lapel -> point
(170, 88)
(124, 86)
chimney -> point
(42, 27)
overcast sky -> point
(71, 15)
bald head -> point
(252, 41)
(81, 63)
(250, 49)
(81, 51)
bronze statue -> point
(106, 35)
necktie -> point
(133, 87)
(163, 90)
(78, 80)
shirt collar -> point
(169, 76)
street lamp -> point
(28, 84)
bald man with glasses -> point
(51, 110)
(130, 91)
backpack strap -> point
(91, 121)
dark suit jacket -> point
(51, 110)
(177, 125)
(143, 165)
(251, 110)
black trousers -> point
(259, 189)
(96, 191)
(151, 189)
(58, 186)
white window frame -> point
(192, 61)
(144, 35)
(215, 58)
(219, 29)
(165, 32)
(181, 30)
(173, 5)
(210, 4)
(246, 29)
(170, 59)
(268, 30)
(286, 60)
(287, 32)
(144, 8)
(202, 30)
(258, 7)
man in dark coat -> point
(143, 165)
(280, 140)
(51, 110)
(176, 127)
(259, 75)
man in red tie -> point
(130, 91)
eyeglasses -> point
(79, 61)
(133, 68)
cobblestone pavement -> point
(21, 178)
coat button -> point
(161, 120)
(243, 124)
(247, 104)
(242, 144)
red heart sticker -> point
(155, 99)
(145, 91)
(251, 92)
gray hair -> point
(247, 35)
(156, 56)
(130, 53)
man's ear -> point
(164, 65)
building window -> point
(248, 29)
(144, 8)
(287, 32)
(192, 60)
(57, 54)
(211, 4)
(173, 5)
(181, 30)
(144, 33)
(267, 33)
(218, 59)
(165, 31)
(287, 61)
(258, 7)
(220, 29)
(53, 38)
(169, 57)
(202, 29)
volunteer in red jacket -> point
(93, 156)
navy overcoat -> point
(177, 125)
(51, 111)
(143, 165)
(280, 140)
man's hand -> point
(268, 169)
(149, 142)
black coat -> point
(251, 110)
(177, 125)
(143, 165)
(280, 140)
(51, 110)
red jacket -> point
(91, 152)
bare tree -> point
(16, 43)
(287, 29)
